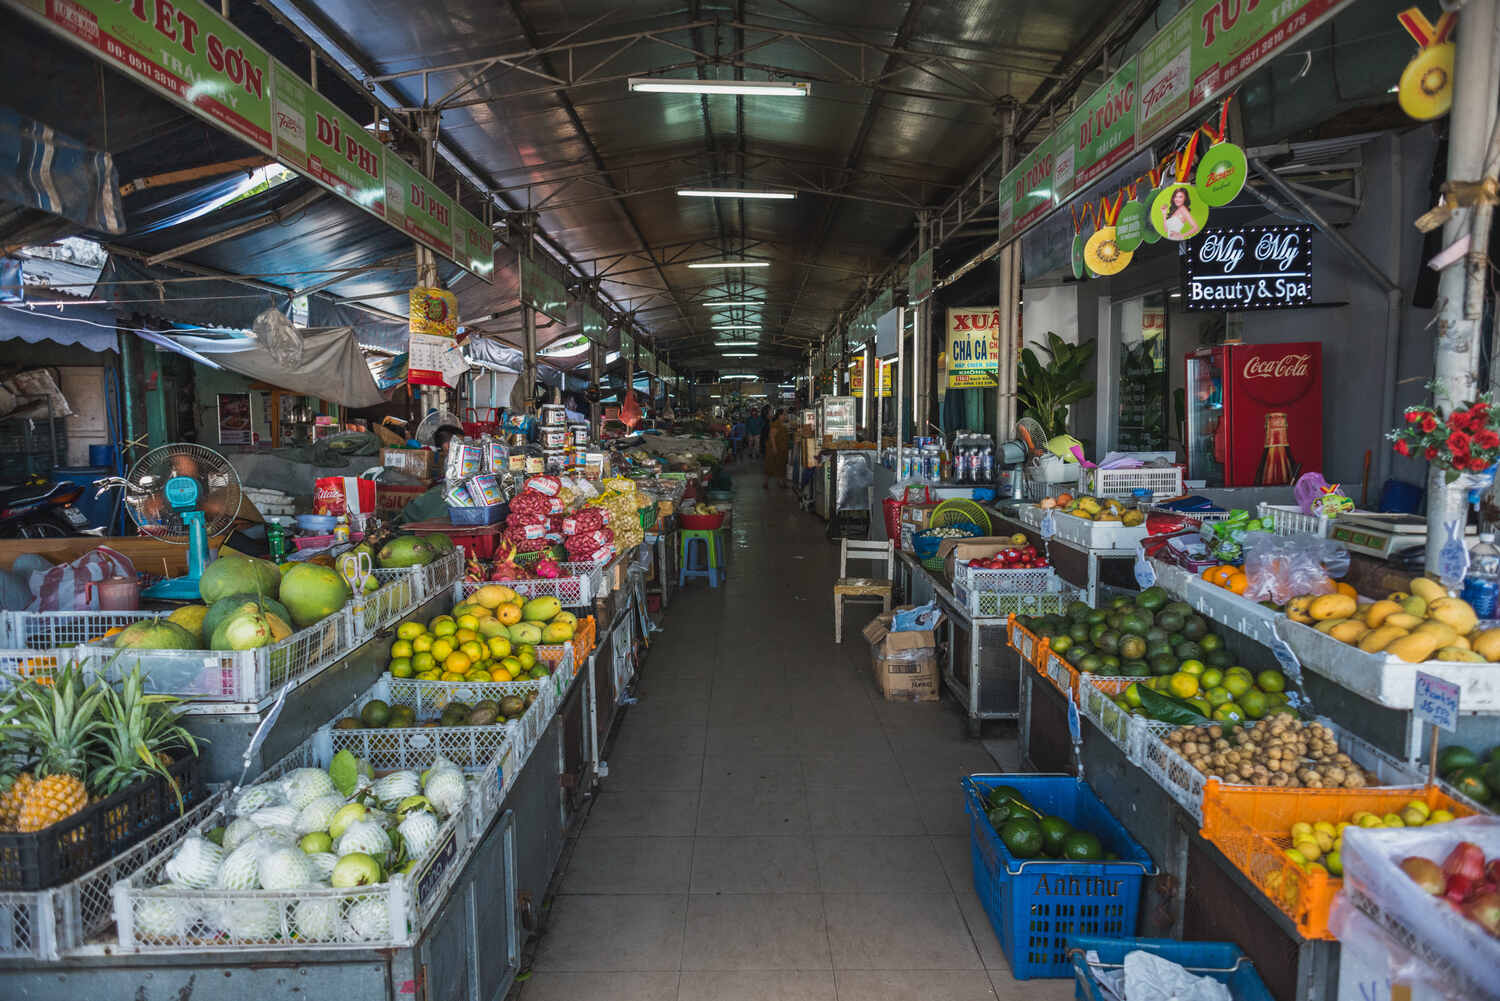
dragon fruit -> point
(303, 785)
(419, 830)
(241, 869)
(285, 869)
(316, 815)
(316, 920)
(364, 836)
(369, 919)
(195, 863)
(395, 787)
(238, 830)
(547, 569)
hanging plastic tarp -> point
(90, 327)
(332, 367)
(41, 168)
(486, 352)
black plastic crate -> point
(97, 833)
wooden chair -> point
(862, 588)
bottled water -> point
(1482, 583)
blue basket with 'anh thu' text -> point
(1036, 904)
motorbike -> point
(42, 509)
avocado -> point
(1079, 631)
(1455, 756)
(482, 716)
(1120, 601)
(1156, 635)
(1136, 624)
(1003, 794)
(1097, 630)
(512, 706)
(1194, 627)
(1022, 838)
(1109, 641)
(1134, 669)
(375, 715)
(1132, 647)
(1113, 619)
(1081, 846)
(1092, 663)
(1187, 650)
(1220, 658)
(1169, 622)
(1163, 664)
(348, 723)
(1470, 782)
(1054, 831)
(1096, 616)
(1078, 611)
(1180, 607)
(1110, 663)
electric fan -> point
(1030, 440)
(435, 419)
(181, 493)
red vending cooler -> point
(1254, 413)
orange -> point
(508, 614)
(1348, 589)
(467, 621)
(401, 667)
(442, 626)
(499, 646)
(1209, 573)
(1219, 574)
(500, 675)
(409, 630)
(1237, 582)
(465, 635)
(441, 649)
(472, 649)
(456, 662)
(1184, 686)
(401, 649)
(423, 662)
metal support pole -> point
(1010, 295)
(899, 386)
(1455, 372)
(920, 351)
(528, 369)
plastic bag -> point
(279, 337)
(1282, 567)
(921, 618)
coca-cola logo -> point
(1285, 367)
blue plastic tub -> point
(1036, 905)
(1221, 960)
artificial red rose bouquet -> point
(1467, 440)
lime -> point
(1022, 837)
(1081, 846)
(1237, 684)
(1184, 686)
(1055, 831)
(1193, 667)
(401, 668)
(1218, 696)
(1271, 681)
(1229, 712)
(1211, 678)
(1255, 703)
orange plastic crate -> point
(1031, 647)
(1250, 826)
(1058, 671)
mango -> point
(1413, 605)
(561, 632)
(492, 596)
(1413, 648)
(1328, 625)
(1375, 617)
(1445, 633)
(526, 632)
(1458, 654)
(1349, 631)
(1427, 588)
(1487, 644)
(1403, 620)
(1331, 606)
(567, 617)
(1455, 612)
(1296, 609)
(540, 609)
(1377, 640)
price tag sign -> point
(1049, 526)
(1436, 701)
(1075, 726)
(1290, 665)
(1145, 573)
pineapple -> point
(137, 730)
(61, 724)
(16, 787)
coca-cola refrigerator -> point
(1254, 413)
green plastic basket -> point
(957, 511)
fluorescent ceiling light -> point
(741, 354)
(726, 305)
(723, 377)
(736, 326)
(734, 193)
(566, 349)
(612, 357)
(701, 265)
(756, 88)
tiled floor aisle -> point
(770, 828)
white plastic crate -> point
(1127, 730)
(1288, 519)
(998, 605)
(44, 924)
(1162, 481)
(230, 676)
(1097, 535)
(154, 918)
(379, 609)
(1184, 783)
(623, 654)
(580, 584)
(439, 575)
(36, 644)
(1033, 580)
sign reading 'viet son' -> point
(1250, 267)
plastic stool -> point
(710, 567)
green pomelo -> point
(312, 593)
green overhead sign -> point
(543, 291)
(188, 52)
(1199, 55)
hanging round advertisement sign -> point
(1179, 211)
(1426, 88)
(1221, 174)
(1130, 226)
(1078, 266)
(1102, 254)
(1149, 235)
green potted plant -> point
(1045, 392)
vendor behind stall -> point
(431, 504)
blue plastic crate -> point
(1036, 905)
(1221, 960)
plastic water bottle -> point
(1482, 583)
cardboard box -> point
(912, 680)
(411, 461)
(884, 643)
(810, 450)
(953, 550)
(390, 500)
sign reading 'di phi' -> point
(1248, 267)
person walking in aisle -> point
(755, 428)
(737, 439)
(774, 447)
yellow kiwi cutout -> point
(1426, 88)
(1103, 255)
